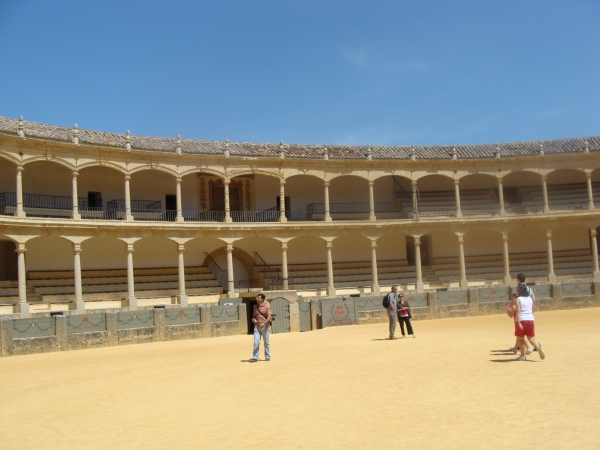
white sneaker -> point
(541, 353)
(521, 358)
(528, 351)
(513, 349)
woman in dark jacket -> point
(404, 315)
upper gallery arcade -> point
(325, 203)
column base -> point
(372, 217)
(233, 294)
(179, 219)
(546, 210)
(129, 218)
(552, 278)
(596, 276)
(330, 291)
(375, 289)
(182, 300)
(420, 286)
(228, 219)
(591, 207)
(459, 214)
(464, 284)
(132, 303)
(507, 280)
(23, 309)
(79, 306)
(76, 216)
(283, 219)
(20, 214)
(502, 212)
(328, 219)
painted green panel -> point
(38, 327)
(181, 316)
(576, 289)
(86, 323)
(493, 294)
(338, 312)
(223, 313)
(369, 303)
(235, 301)
(135, 319)
(542, 291)
(304, 308)
(416, 299)
(451, 297)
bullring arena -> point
(129, 267)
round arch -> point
(154, 168)
(566, 176)
(435, 182)
(100, 184)
(58, 161)
(243, 172)
(8, 174)
(48, 178)
(521, 178)
(155, 252)
(302, 190)
(307, 249)
(103, 252)
(201, 171)
(107, 164)
(391, 190)
(49, 253)
(9, 157)
(196, 249)
(351, 247)
(348, 188)
(478, 181)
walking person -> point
(261, 319)
(511, 313)
(392, 301)
(404, 316)
(524, 320)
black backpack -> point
(386, 301)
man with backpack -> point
(390, 302)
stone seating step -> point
(116, 280)
(112, 273)
(67, 298)
(123, 287)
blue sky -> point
(340, 72)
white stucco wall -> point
(268, 249)
(349, 189)
(47, 178)
(307, 249)
(444, 244)
(571, 238)
(109, 182)
(8, 176)
(304, 190)
(103, 253)
(482, 242)
(351, 248)
(239, 271)
(154, 252)
(195, 250)
(524, 240)
(49, 253)
(266, 191)
(391, 247)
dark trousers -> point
(404, 320)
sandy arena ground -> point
(341, 387)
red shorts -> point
(528, 329)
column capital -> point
(130, 248)
(284, 246)
(77, 248)
(456, 182)
(178, 179)
(75, 173)
(373, 243)
(593, 232)
(505, 236)
(180, 248)
(20, 248)
(127, 177)
(544, 178)
(326, 183)
(549, 234)
(281, 182)
(371, 182)
(329, 244)
(461, 237)
(413, 182)
(226, 182)
(229, 247)
(417, 240)
(20, 167)
(588, 175)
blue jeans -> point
(264, 332)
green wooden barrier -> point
(135, 319)
(336, 312)
(182, 316)
(541, 290)
(223, 313)
(493, 294)
(576, 289)
(304, 308)
(445, 298)
(86, 323)
(416, 299)
(38, 327)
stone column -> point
(588, 177)
(330, 286)
(284, 267)
(282, 217)
(507, 278)
(414, 200)
(545, 194)
(501, 197)
(227, 210)
(551, 276)
(182, 297)
(179, 217)
(128, 216)
(230, 280)
(457, 198)
(327, 216)
(131, 300)
(371, 201)
(375, 289)
(419, 272)
(595, 253)
(79, 303)
(22, 306)
(75, 214)
(20, 212)
(461, 261)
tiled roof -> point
(333, 152)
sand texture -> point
(343, 387)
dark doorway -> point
(250, 305)
(171, 206)
(217, 196)
(95, 199)
(8, 261)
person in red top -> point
(262, 321)
(404, 316)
